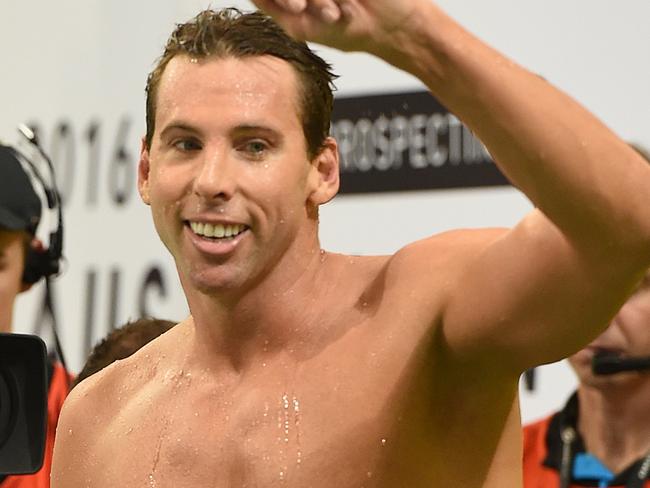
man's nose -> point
(216, 177)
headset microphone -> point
(606, 364)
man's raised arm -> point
(549, 285)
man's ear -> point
(143, 172)
(324, 177)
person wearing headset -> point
(602, 436)
(24, 260)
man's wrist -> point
(421, 45)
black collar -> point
(566, 417)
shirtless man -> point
(304, 368)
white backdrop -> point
(77, 69)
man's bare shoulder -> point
(95, 407)
(419, 277)
(456, 241)
(438, 249)
(122, 376)
(443, 254)
(423, 267)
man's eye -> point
(255, 148)
(186, 145)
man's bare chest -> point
(280, 426)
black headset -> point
(41, 263)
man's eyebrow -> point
(182, 126)
(257, 129)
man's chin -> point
(213, 280)
(212, 285)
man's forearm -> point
(580, 174)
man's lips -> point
(216, 230)
(215, 238)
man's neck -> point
(614, 423)
(275, 315)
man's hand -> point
(348, 25)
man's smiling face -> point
(227, 174)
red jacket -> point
(58, 389)
(542, 453)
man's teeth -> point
(216, 230)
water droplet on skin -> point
(383, 442)
(369, 474)
(70, 431)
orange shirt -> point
(542, 452)
(58, 389)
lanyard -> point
(568, 436)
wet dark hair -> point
(230, 32)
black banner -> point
(407, 141)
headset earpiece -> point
(40, 263)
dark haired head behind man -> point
(20, 268)
(300, 367)
(121, 343)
